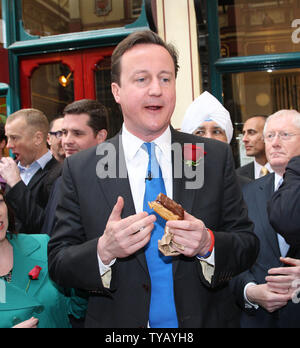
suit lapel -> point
(180, 194)
(40, 174)
(264, 194)
(251, 171)
(36, 178)
(119, 186)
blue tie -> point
(162, 306)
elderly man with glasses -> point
(266, 291)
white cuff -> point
(210, 260)
(249, 304)
(104, 268)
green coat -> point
(44, 299)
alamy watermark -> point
(296, 33)
(296, 294)
(188, 166)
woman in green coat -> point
(31, 300)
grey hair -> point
(282, 113)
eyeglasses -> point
(284, 136)
(57, 134)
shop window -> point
(259, 27)
(261, 93)
(52, 89)
(105, 96)
(45, 18)
(257, 93)
(50, 82)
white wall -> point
(177, 24)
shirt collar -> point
(42, 161)
(277, 182)
(132, 144)
(257, 168)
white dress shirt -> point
(257, 169)
(136, 159)
(27, 173)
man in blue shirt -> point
(27, 177)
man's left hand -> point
(192, 234)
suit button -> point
(146, 287)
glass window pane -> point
(52, 89)
(259, 27)
(257, 94)
(105, 96)
(45, 18)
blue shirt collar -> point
(41, 162)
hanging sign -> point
(103, 7)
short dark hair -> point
(10, 214)
(54, 119)
(138, 38)
(2, 132)
(258, 116)
(97, 112)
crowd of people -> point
(79, 243)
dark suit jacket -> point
(247, 170)
(84, 208)
(256, 195)
(284, 207)
(29, 202)
(50, 210)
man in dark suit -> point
(28, 179)
(266, 297)
(85, 124)
(101, 238)
(284, 207)
(255, 147)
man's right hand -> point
(264, 297)
(9, 171)
(123, 237)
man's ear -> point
(115, 89)
(101, 136)
(38, 138)
(48, 140)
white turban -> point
(207, 108)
